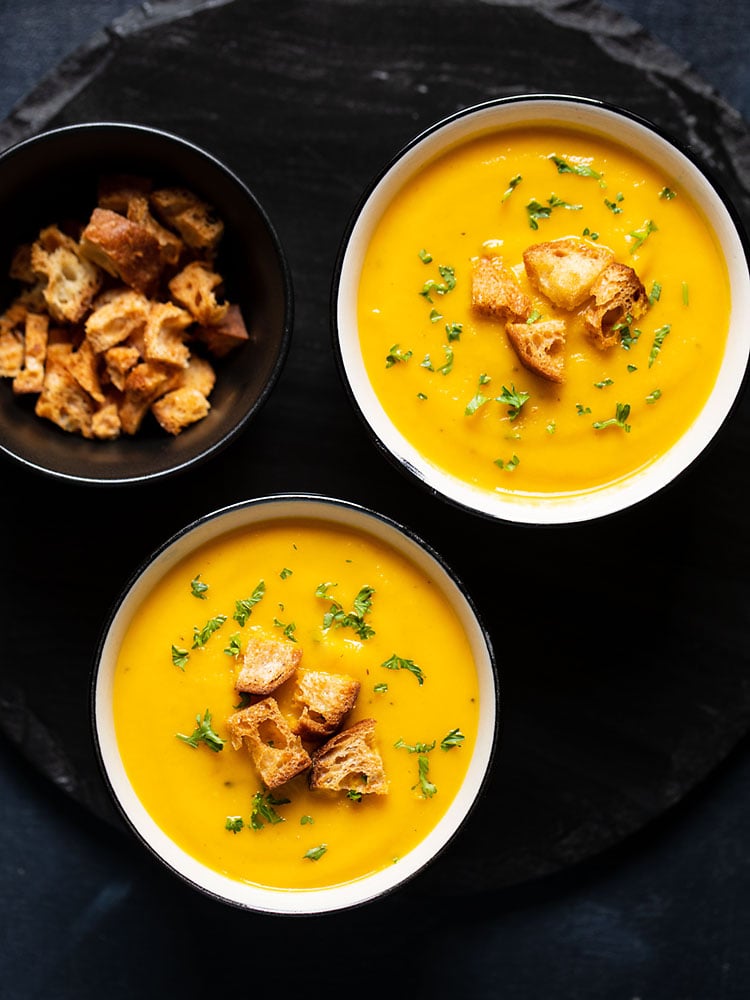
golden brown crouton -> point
(564, 270)
(266, 663)
(179, 408)
(117, 315)
(194, 289)
(350, 761)
(164, 336)
(143, 386)
(325, 699)
(540, 347)
(11, 353)
(72, 281)
(226, 335)
(276, 752)
(118, 362)
(170, 245)
(123, 249)
(194, 220)
(495, 290)
(82, 365)
(31, 376)
(105, 422)
(63, 401)
(117, 191)
(199, 375)
(618, 293)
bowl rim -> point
(354, 894)
(524, 513)
(285, 274)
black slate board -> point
(622, 645)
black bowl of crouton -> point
(145, 304)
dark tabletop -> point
(664, 912)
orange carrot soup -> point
(345, 603)
(441, 360)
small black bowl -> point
(52, 177)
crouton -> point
(164, 335)
(82, 365)
(564, 270)
(618, 293)
(179, 408)
(11, 353)
(145, 383)
(117, 191)
(266, 663)
(350, 762)
(193, 219)
(63, 401)
(231, 332)
(540, 347)
(123, 249)
(118, 362)
(72, 281)
(105, 422)
(199, 375)
(276, 752)
(170, 245)
(495, 290)
(116, 317)
(194, 289)
(31, 376)
(325, 699)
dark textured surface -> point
(664, 914)
(620, 704)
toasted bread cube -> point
(72, 281)
(540, 347)
(143, 386)
(495, 290)
(276, 752)
(117, 316)
(164, 336)
(231, 332)
(123, 249)
(82, 365)
(11, 353)
(266, 664)
(179, 408)
(194, 220)
(105, 422)
(325, 699)
(618, 293)
(119, 362)
(31, 376)
(63, 401)
(194, 289)
(199, 375)
(564, 270)
(117, 191)
(350, 762)
(171, 246)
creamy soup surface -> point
(441, 370)
(203, 799)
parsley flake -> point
(639, 236)
(203, 733)
(653, 396)
(452, 739)
(198, 588)
(510, 465)
(244, 608)
(622, 412)
(396, 355)
(179, 657)
(202, 635)
(399, 663)
(234, 823)
(512, 185)
(316, 853)
(659, 336)
(514, 399)
(581, 169)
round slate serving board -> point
(622, 645)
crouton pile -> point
(122, 316)
(574, 276)
(337, 759)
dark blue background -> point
(665, 915)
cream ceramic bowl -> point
(628, 130)
(260, 898)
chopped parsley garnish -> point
(306, 820)
(554, 202)
(639, 236)
(604, 383)
(536, 211)
(685, 294)
(354, 795)
(179, 657)
(622, 412)
(448, 283)
(590, 233)
(421, 395)
(202, 635)
(653, 396)
(287, 629)
(427, 787)
(659, 336)
(244, 608)
(452, 739)
(262, 810)
(399, 663)
(512, 185)
(198, 588)
(612, 206)
(233, 648)
(316, 853)
(203, 733)
(514, 399)
(285, 573)
(354, 619)
(479, 399)
(395, 355)
(551, 427)
(425, 256)
(534, 315)
(632, 368)
(435, 316)
(582, 410)
(380, 688)
(655, 294)
(581, 169)
(414, 747)
(667, 194)
(453, 331)
(445, 368)
(510, 465)
(234, 823)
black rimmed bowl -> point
(234, 523)
(505, 500)
(52, 177)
